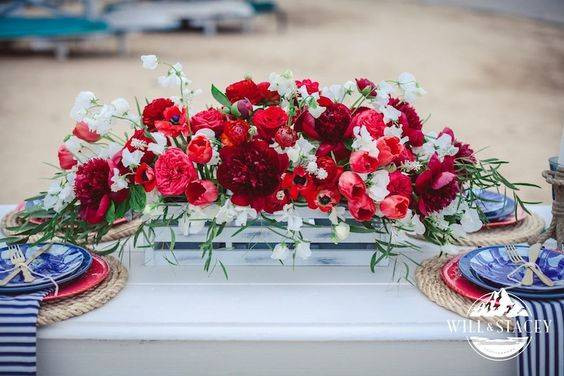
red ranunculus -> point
(173, 172)
(201, 192)
(82, 131)
(243, 89)
(235, 133)
(362, 208)
(362, 162)
(252, 171)
(351, 185)
(210, 118)
(174, 122)
(366, 87)
(390, 148)
(199, 149)
(66, 159)
(369, 118)
(286, 136)
(400, 184)
(333, 122)
(154, 112)
(267, 96)
(311, 86)
(268, 120)
(394, 206)
(145, 176)
(326, 199)
(437, 186)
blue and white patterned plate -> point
(494, 205)
(59, 261)
(493, 264)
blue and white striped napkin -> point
(18, 333)
(545, 354)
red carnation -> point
(437, 186)
(252, 171)
(174, 122)
(409, 120)
(268, 120)
(210, 118)
(173, 171)
(333, 123)
(154, 112)
(145, 176)
(369, 118)
(243, 89)
(311, 86)
(400, 184)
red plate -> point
(456, 281)
(97, 272)
(508, 221)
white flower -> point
(83, 101)
(229, 212)
(280, 252)
(170, 80)
(109, 150)
(321, 174)
(408, 166)
(378, 184)
(119, 182)
(121, 106)
(101, 121)
(315, 110)
(335, 92)
(194, 219)
(336, 213)
(396, 132)
(60, 193)
(206, 132)
(390, 113)
(311, 166)
(150, 61)
(364, 142)
(290, 215)
(283, 83)
(303, 250)
(383, 94)
(442, 145)
(342, 231)
(410, 87)
(302, 148)
(74, 144)
(131, 159)
(243, 214)
(159, 145)
(470, 221)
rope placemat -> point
(430, 283)
(60, 310)
(117, 232)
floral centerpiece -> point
(354, 149)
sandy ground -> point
(498, 81)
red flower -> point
(236, 132)
(405, 155)
(210, 118)
(366, 87)
(139, 141)
(326, 199)
(333, 123)
(369, 118)
(268, 120)
(82, 131)
(311, 86)
(333, 172)
(174, 122)
(145, 176)
(409, 120)
(286, 136)
(437, 186)
(362, 208)
(394, 206)
(154, 112)
(390, 148)
(400, 184)
(351, 185)
(243, 89)
(298, 182)
(362, 162)
(66, 159)
(201, 192)
(252, 171)
(276, 201)
(245, 108)
(465, 152)
(199, 149)
(267, 96)
(173, 171)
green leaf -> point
(220, 97)
(111, 213)
(138, 198)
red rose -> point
(252, 171)
(236, 132)
(174, 122)
(210, 118)
(201, 192)
(173, 171)
(286, 136)
(66, 159)
(390, 148)
(243, 89)
(351, 185)
(366, 87)
(400, 184)
(394, 206)
(362, 162)
(82, 131)
(362, 208)
(437, 186)
(333, 122)
(267, 96)
(154, 112)
(268, 120)
(311, 86)
(145, 176)
(369, 118)
(326, 199)
(199, 149)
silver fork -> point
(18, 257)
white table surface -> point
(263, 320)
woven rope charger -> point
(60, 310)
(116, 232)
(430, 283)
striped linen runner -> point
(18, 329)
(545, 354)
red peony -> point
(394, 206)
(252, 171)
(390, 148)
(369, 118)
(268, 120)
(267, 96)
(145, 176)
(66, 159)
(243, 89)
(351, 185)
(286, 136)
(362, 162)
(236, 132)
(362, 208)
(82, 131)
(210, 118)
(400, 184)
(311, 86)
(173, 171)
(437, 186)
(199, 149)
(174, 122)
(201, 192)
(333, 123)
(154, 112)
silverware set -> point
(530, 266)
(21, 264)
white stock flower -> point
(283, 83)
(131, 159)
(342, 231)
(290, 215)
(301, 149)
(83, 101)
(303, 250)
(363, 141)
(119, 182)
(335, 92)
(121, 106)
(150, 61)
(60, 193)
(280, 252)
(157, 147)
(442, 145)
(378, 185)
(410, 87)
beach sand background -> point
(497, 80)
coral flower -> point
(201, 192)
(173, 172)
(351, 185)
(362, 208)
(394, 206)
